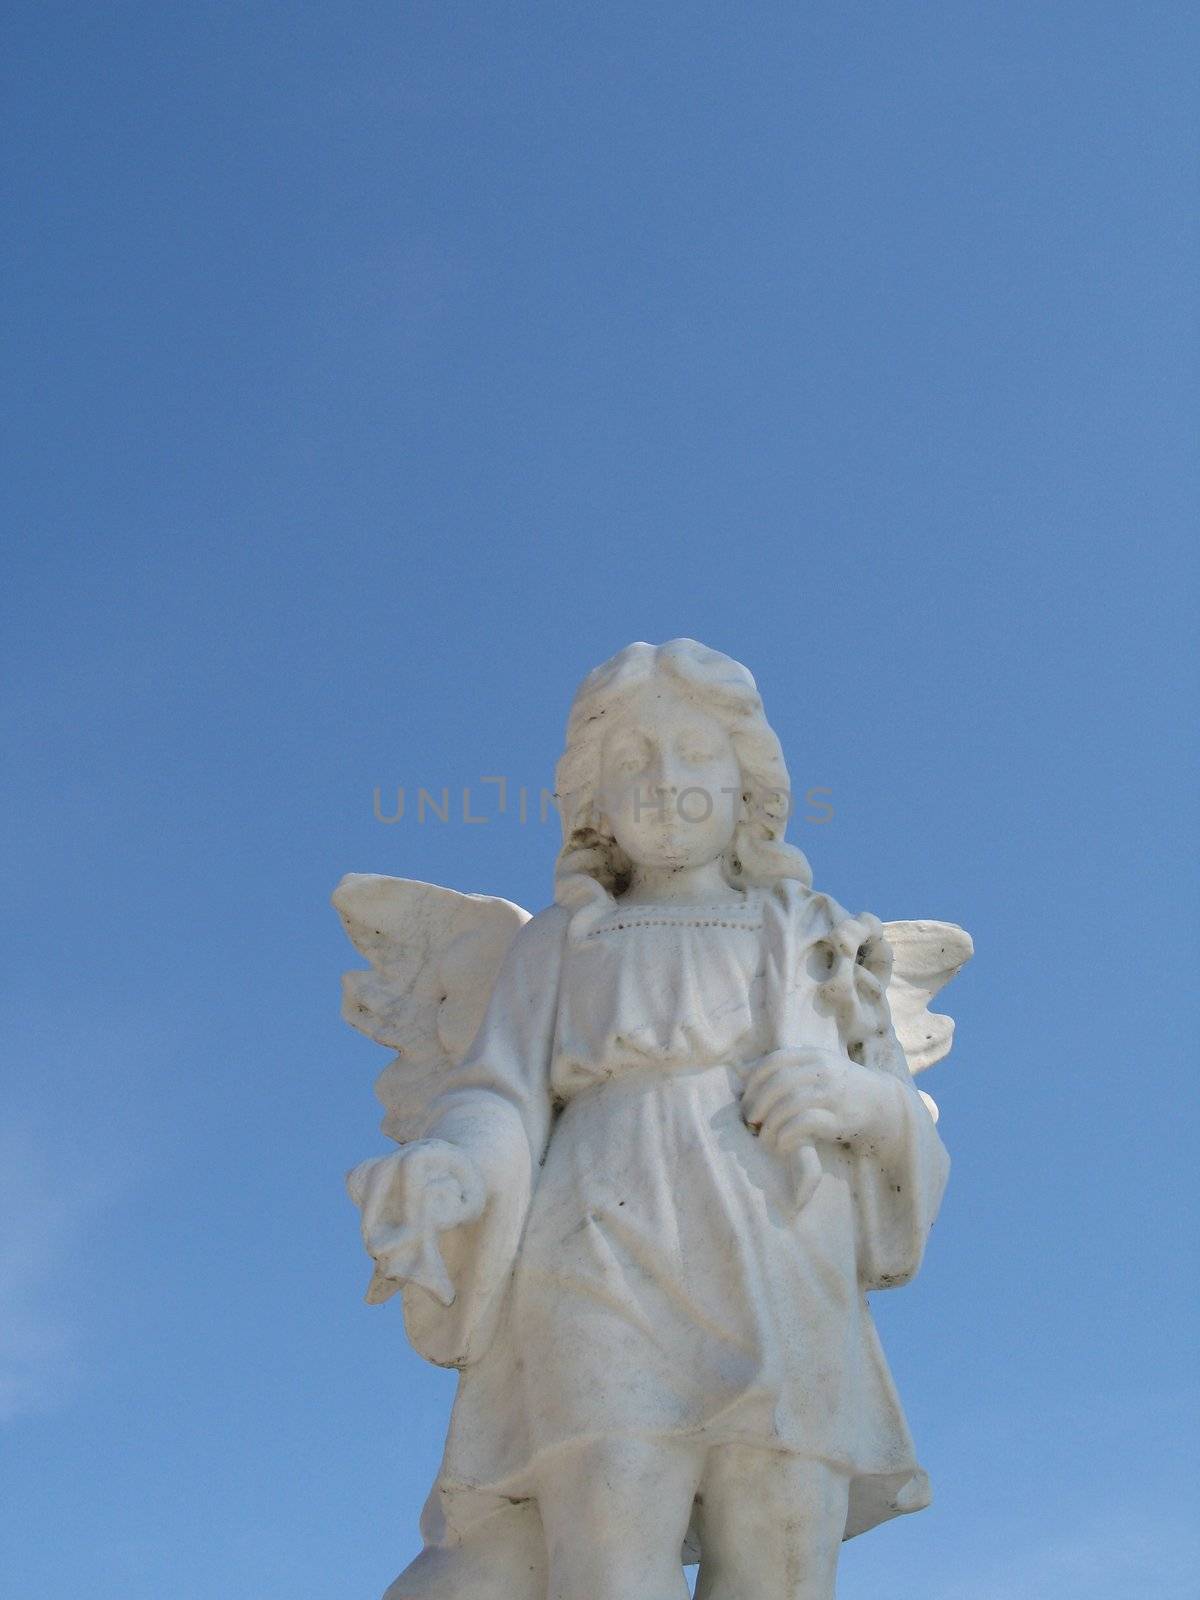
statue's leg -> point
(769, 1524)
(501, 1557)
(615, 1512)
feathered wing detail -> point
(925, 956)
(434, 957)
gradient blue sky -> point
(379, 369)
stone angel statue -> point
(657, 1143)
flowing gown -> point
(647, 1272)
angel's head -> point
(670, 761)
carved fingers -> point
(796, 1096)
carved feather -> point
(434, 957)
(925, 956)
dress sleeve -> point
(507, 1067)
(898, 1187)
(496, 1105)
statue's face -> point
(670, 785)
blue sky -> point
(378, 370)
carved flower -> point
(859, 961)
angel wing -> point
(925, 956)
(434, 957)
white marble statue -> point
(657, 1143)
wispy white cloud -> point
(72, 1144)
(50, 1203)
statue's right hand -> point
(406, 1200)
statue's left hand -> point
(796, 1096)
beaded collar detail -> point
(745, 914)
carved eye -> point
(630, 756)
(696, 748)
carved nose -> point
(657, 780)
(663, 774)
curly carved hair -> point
(592, 868)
